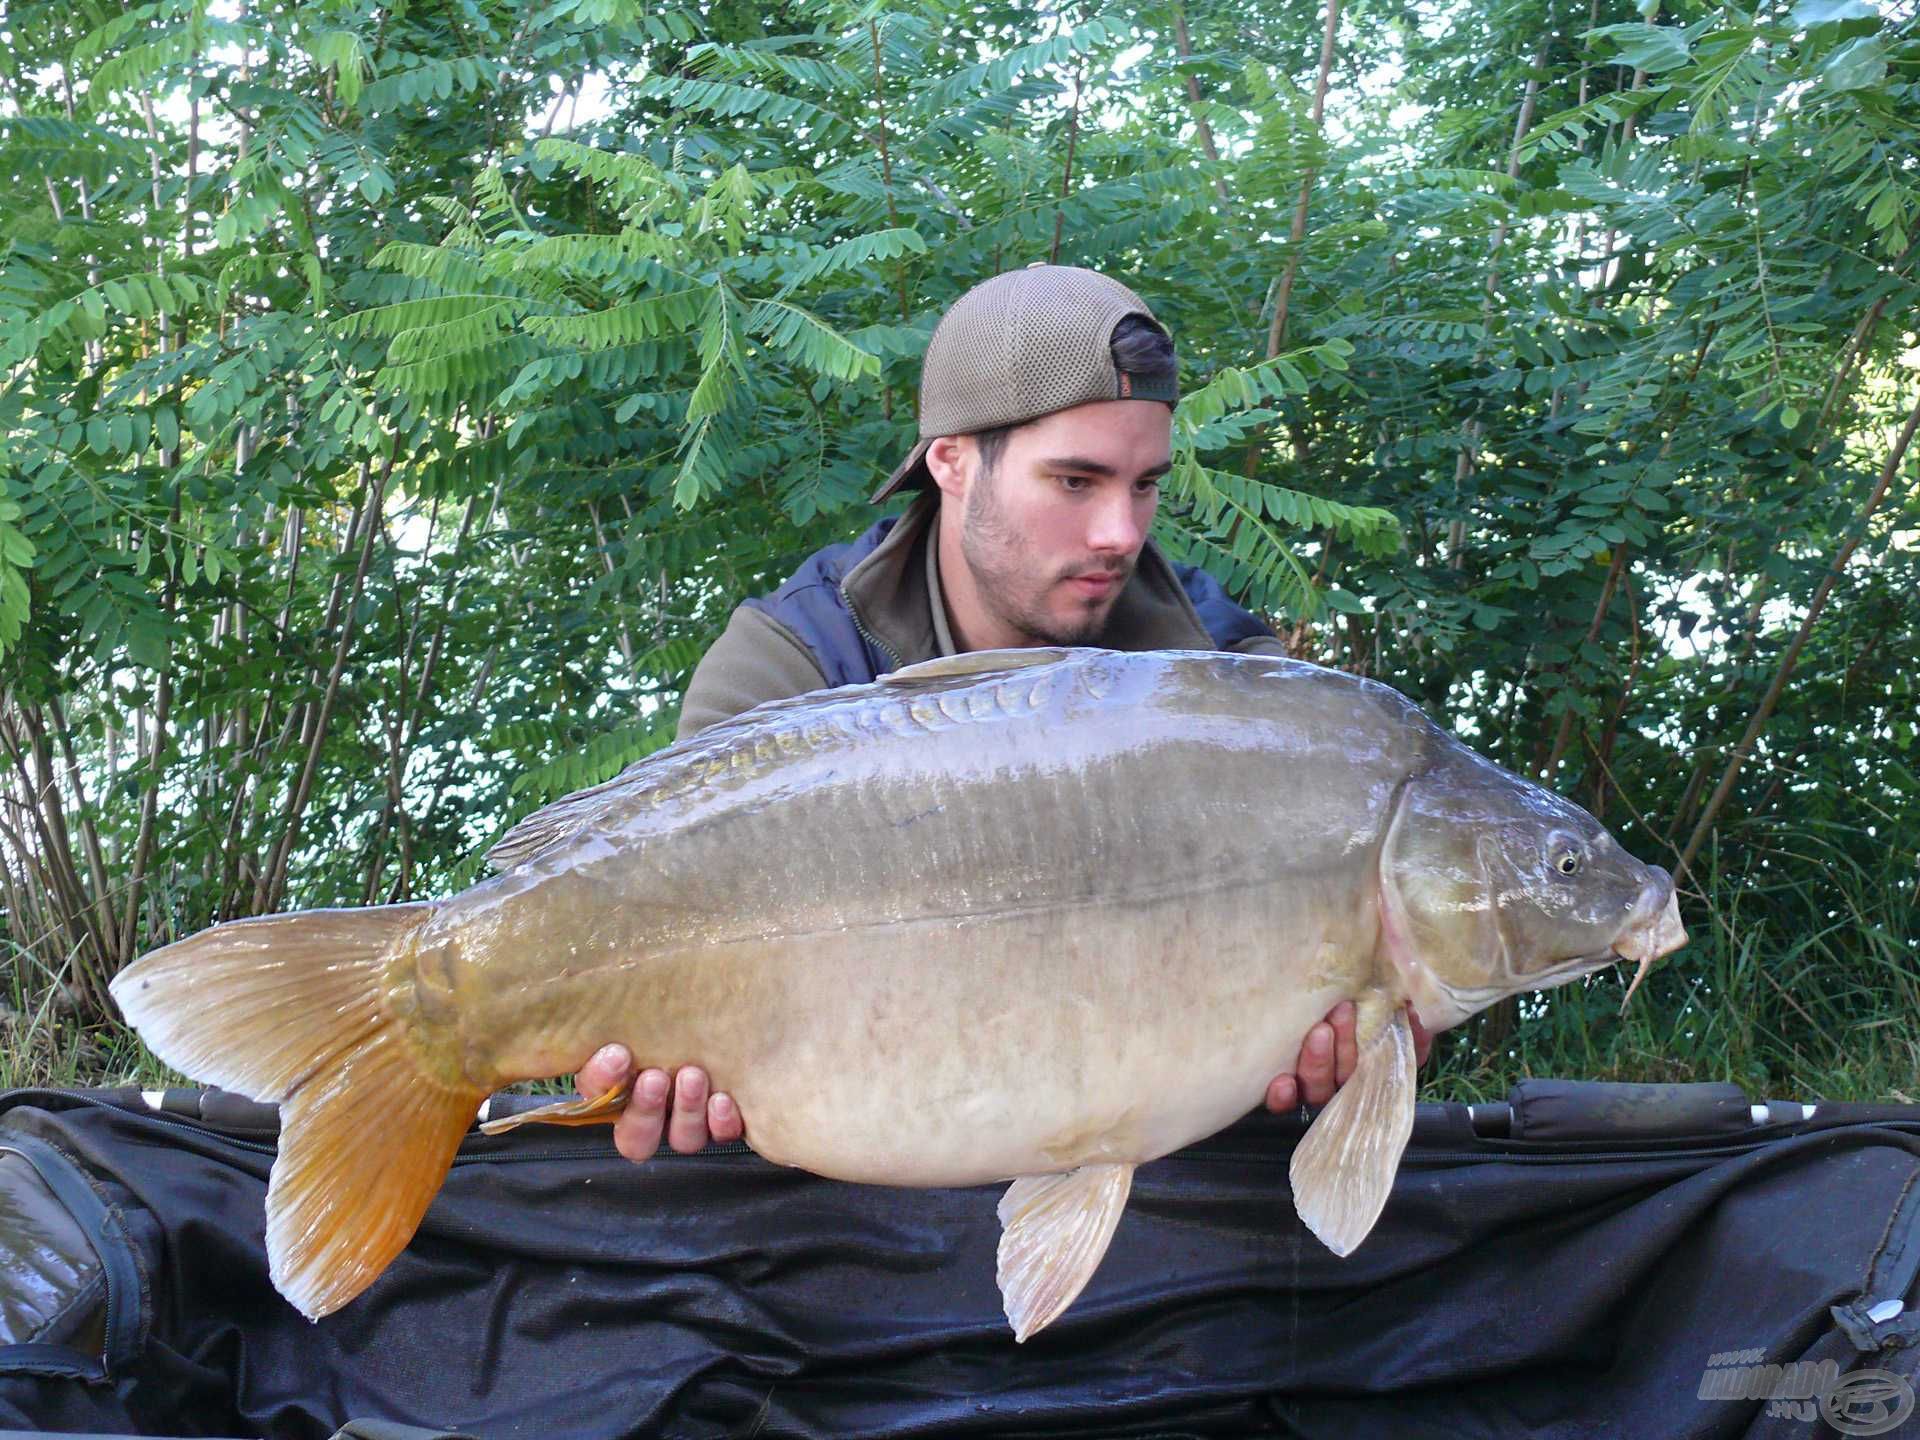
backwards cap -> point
(1019, 346)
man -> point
(1046, 410)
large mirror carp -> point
(1068, 909)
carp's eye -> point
(1568, 863)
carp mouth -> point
(1645, 941)
(1657, 931)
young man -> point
(1046, 420)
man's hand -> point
(1326, 1063)
(1327, 1058)
(696, 1116)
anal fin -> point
(602, 1109)
(1342, 1171)
(1054, 1231)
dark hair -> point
(1139, 346)
(1142, 348)
(993, 444)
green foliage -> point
(395, 402)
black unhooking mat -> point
(1616, 1261)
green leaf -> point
(147, 645)
(15, 604)
(1855, 64)
(879, 246)
(311, 267)
(15, 548)
(1809, 13)
(722, 367)
(1652, 48)
(809, 341)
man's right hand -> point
(695, 1116)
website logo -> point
(1861, 1402)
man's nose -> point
(1115, 527)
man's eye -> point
(1073, 483)
(1145, 487)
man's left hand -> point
(1327, 1058)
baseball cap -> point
(1022, 345)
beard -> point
(1015, 586)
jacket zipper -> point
(866, 634)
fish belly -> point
(1021, 1044)
(958, 1050)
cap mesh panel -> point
(1021, 345)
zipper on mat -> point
(740, 1147)
(68, 1098)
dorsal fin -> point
(570, 814)
(976, 662)
(553, 823)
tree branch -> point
(1764, 711)
(273, 884)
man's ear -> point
(951, 460)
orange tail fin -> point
(288, 1008)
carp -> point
(1071, 909)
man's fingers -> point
(1346, 1049)
(723, 1119)
(1422, 1038)
(687, 1129)
(1315, 1071)
(636, 1134)
(1328, 1057)
(685, 1124)
(610, 1066)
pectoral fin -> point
(603, 1109)
(1343, 1170)
(1054, 1230)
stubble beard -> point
(1008, 588)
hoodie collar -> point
(894, 593)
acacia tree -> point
(398, 398)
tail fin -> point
(288, 1008)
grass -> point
(1802, 982)
(41, 1044)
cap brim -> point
(911, 472)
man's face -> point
(1052, 532)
